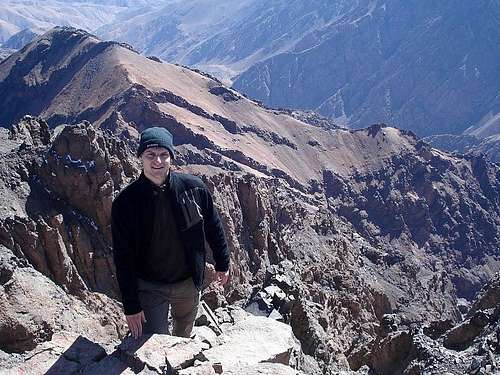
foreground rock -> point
(68, 353)
(471, 347)
(33, 309)
(254, 340)
(65, 353)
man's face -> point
(156, 164)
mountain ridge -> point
(357, 63)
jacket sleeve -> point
(214, 233)
(123, 255)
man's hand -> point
(135, 324)
(222, 277)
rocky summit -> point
(363, 251)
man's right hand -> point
(135, 324)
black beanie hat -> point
(156, 137)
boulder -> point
(33, 309)
(205, 334)
(393, 353)
(159, 352)
(461, 336)
(254, 340)
(488, 297)
(65, 353)
(263, 369)
(201, 369)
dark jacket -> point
(132, 216)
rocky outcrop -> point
(34, 308)
(488, 297)
(31, 131)
(263, 346)
(65, 353)
(52, 270)
(64, 232)
(471, 347)
(340, 276)
(254, 340)
(407, 199)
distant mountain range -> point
(481, 139)
(431, 67)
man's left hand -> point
(222, 277)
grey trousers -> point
(156, 298)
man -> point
(159, 224)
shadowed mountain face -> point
(364, 232)
(20, 39)
(425, 66)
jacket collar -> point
(148, 186)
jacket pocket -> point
(191, 209)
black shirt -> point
(165, 259)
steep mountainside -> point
(489, 146)
(357, 239)
(223, 39)
(483, 138)
(425, 66)
(429, 67)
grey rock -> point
(31, 131)
(202, 369)
(461, 336)
(264, 369)
(205, 334)
(65, 353)
(254, 340)
(275, 314)
(488, 297)
(159, 352)
(33, 309)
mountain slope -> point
(429, 67)
(224, 39)
(83, 78)
(425, 66)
